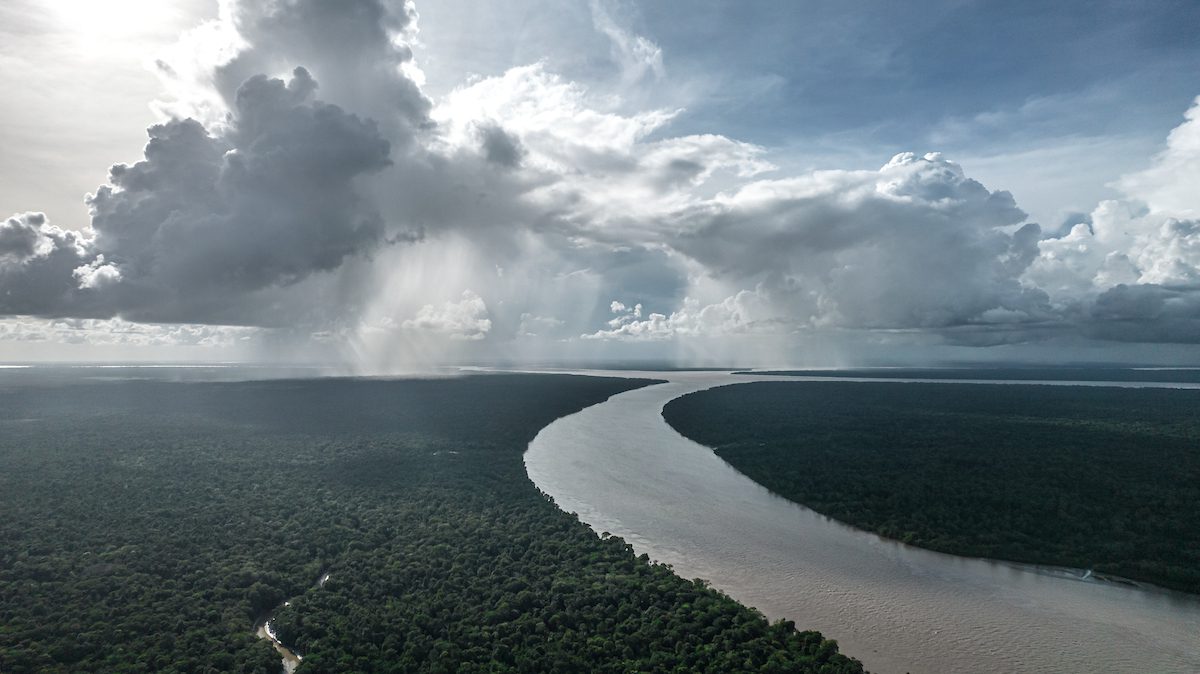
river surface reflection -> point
(895, 607)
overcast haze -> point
(387, 185)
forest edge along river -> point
(623, 470)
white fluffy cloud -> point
(304, 180)
(464, 319)
(117, 332)
(918, 245)
(744, 313)
(915, 244)
(1170, 185)
(1131, 271)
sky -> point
(388, 185)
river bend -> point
(898, 608)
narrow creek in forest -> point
(263, 630)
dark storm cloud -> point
(1147, 313)
(500, 147)
(20, 236)
(523, 207)
(205, 219)
(37, 266)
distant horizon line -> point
(626, 364)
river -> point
(898, 608)
(263, 630)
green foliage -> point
(1085, 477)
(1122, 374)
(147, 526)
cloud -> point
(304, 181)
(21, 237)
(915, 244)
(357, 48)
(638, 56)
(271, 201)
(37, 267)
(1170, 185)
(1147, 313)
(500, 147)
(1130, 270)
(110, 332)
(206, 220)
(918, 245)
(743, 313)
(465, 319)
(97, 274)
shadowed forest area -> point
(1121, 374)
(1087, 477)
(147, 526)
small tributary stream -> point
(263, 630)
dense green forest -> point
(1087, 477)
(1121, 374)
(147, 526)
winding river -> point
(623, 470)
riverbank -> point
(1081, 477)
(264, 630)
(896, 607)
(291, 660)
(197, 507)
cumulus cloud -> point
(357, 49)
(1147, 313)
(207, 219)
(1169, 186)
(263, 198)
(464, 319)
(302, 179)
(21, 237)
(117, 332)
(915, 244)
(97, 274)
(1130, 270)
(37, 266)
(743, 313)
(255, 185)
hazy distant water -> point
(897, 608)
(68, 374)
(15, 376)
